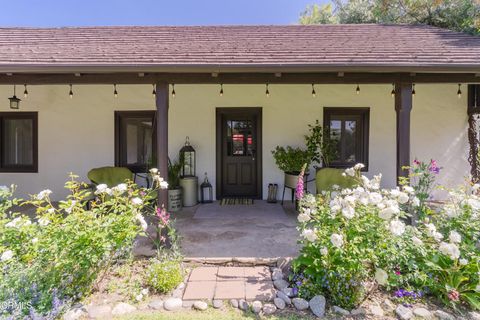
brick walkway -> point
(223, 283)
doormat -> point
(234, 201)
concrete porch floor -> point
(261, 230)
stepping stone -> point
(257, 273)
(259, 290)
(200, 290)
(203, 274)
(230, 273)
(229, 290)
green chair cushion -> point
(111, 176)
(326, 178)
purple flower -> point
(433, 167)
(300, 185)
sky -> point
(60, 13)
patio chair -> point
(326, 178)
(111, 176)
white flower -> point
(449, 249)
(43, 221)
(455, 237)
(381, 276)
(72, 205)
(42, 194)
(350, 172)
(303, 217)
(402, 198)
(375, 198)
(142, 221)
(51, 210)
(416, 241)
(397, 227)
(121, 188)
(139, 297)
(144, 291)
(408, 189)
(309, 234)
(163, 185)
(388, 212)
(359, 166)
(463, 262)
(34, 240)
(348, 212)
(4, 189)
(431, 229)
(101, 188)
(154, 171)
(324, 251)
(474, 204)
(336, 240)
(477, 288)
(7, 255)
(416, 202)
(450, 211)
(137, 201)
(14, 223)
(438, 236)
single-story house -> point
(237, 92)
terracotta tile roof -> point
(224, 47)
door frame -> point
(220, 112)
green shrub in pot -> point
(291, 160)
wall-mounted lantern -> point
(14, 101)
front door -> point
(239, 152)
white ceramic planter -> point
(174, 200)
(291, 179)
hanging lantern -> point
(14, 101)
(206, 191)
(187, 154)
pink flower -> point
(300, 185)
(434, 168)
(163, 215)
(398, 273)
(416, 162)
(454, 295)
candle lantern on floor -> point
(187, 156)
(206, 191)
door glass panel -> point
(239, 138)
(336, 136)
(350, 140)
(138, 140)
(18, 142)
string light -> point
(173, 90)
(71, 92)
(154, 91)
(357, 90)
(314, 94)
(393, 90)
(25, 92)
(221, 90)
(413, 89)
(267, 92)
(115, 92)
(459, 91)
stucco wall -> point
(78, 134)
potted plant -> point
(321, 149)
(174, 188)
(291, 160)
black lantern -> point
(187, 154)
(206, 191)
(14, 101)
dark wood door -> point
(239, 147)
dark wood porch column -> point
(162, 95)
(403, 106)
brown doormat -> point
(234, 201)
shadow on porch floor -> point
(261, 230)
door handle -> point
(253, 155)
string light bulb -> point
(413, 89)
(267, 92)
(221, 90)
(393, 90)
(314, 93)
(173, 90)
(357, 90)
(154, 91)
(71, 91)
(459, 91)
(25, 92)
(115, 92)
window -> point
(135, 140)
(18, 142)
(347, 129)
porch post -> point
(161, 101)
(403, 106)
